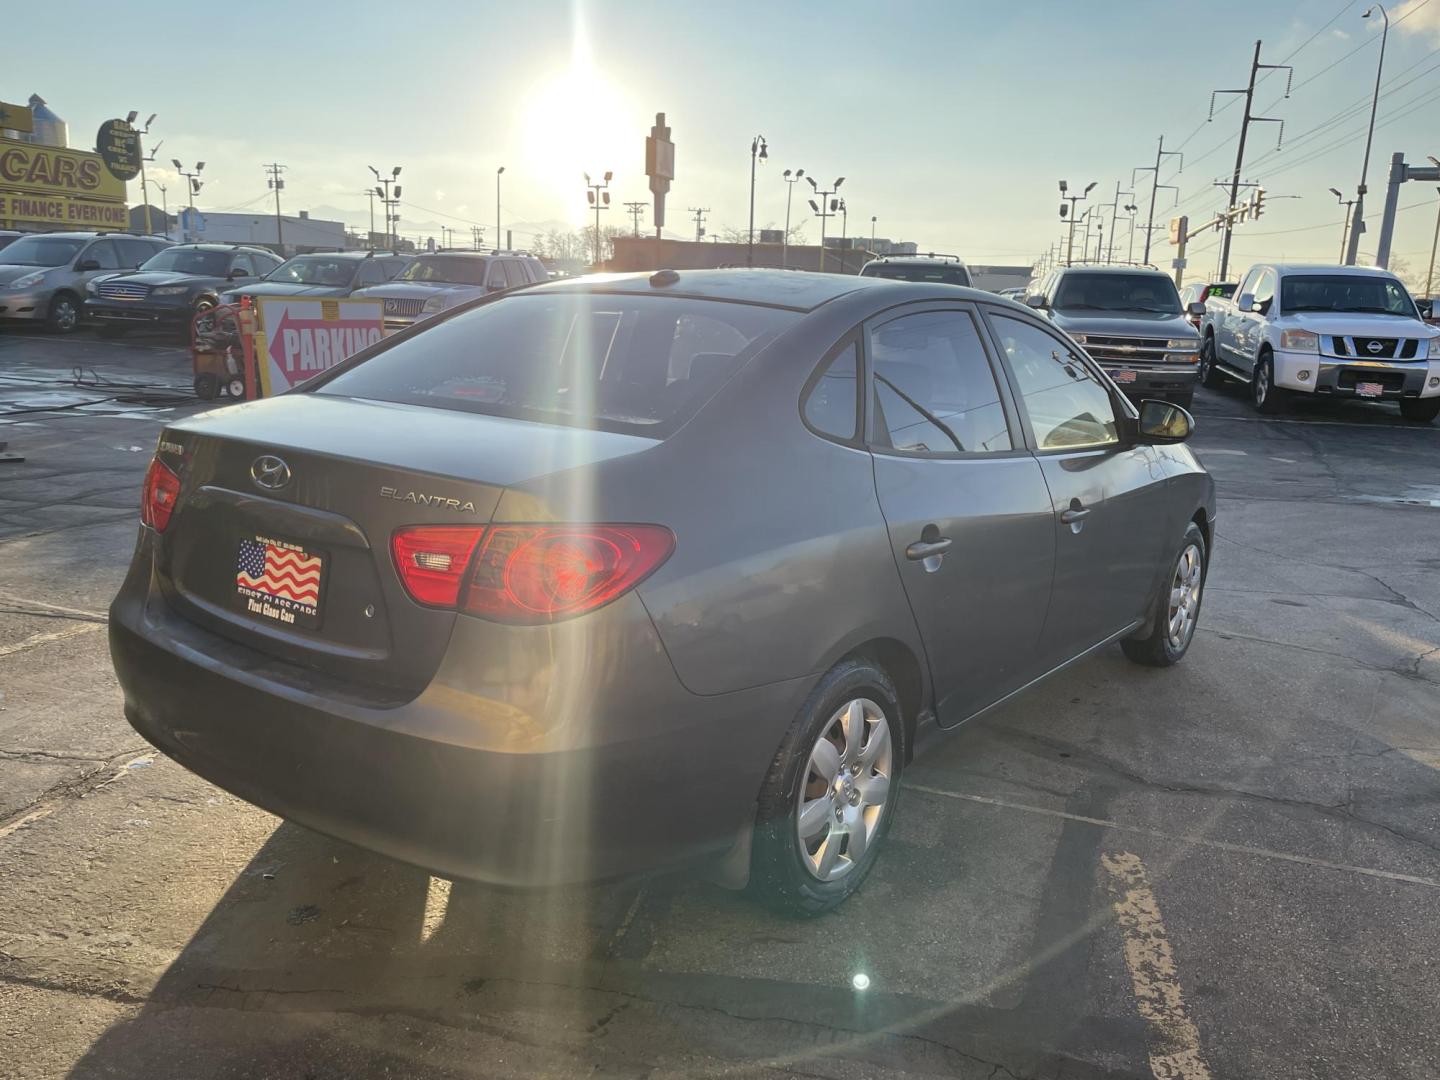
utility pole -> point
(1359, 222)
(1255, 68)
(821, 212)
(1160, 154)
(600, 200)
(636, 210)
(1430, 273)
(475, 237)
(699, 212)
(277, 185)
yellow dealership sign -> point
(53, 186)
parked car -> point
(1333, 331)
(583, 579)
(43, 276)
(436, 282)
(324, 274)
(174, 285)
(8, 237)
(1131, 322)
(937, 269)
(1201, 291)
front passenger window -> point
(1069, 408)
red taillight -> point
(540, 573)
(159, 496)
(431, 561)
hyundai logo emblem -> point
(1374, 347)
(268, 471)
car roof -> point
(348, 255)
(1088, 269)
(924, 258)
(1328, 268)
(202, 246)
(794, 289)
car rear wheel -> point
(64, 314)
(1268, 397)
(828, 799)
(1209, 371)
(1421, 410)
(1171, 628)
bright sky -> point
(951, 121)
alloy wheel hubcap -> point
(65, 316)
(1184, 597)
(845, 790)
(1262, 383)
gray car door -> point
(1107, 496)
(965, 503)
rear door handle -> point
(1074, 514)
(924, 549)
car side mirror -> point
(85, 265)
(1195, 307)
(1246, 302)
(1163, 422)
(1037, 302)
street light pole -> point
(193, 186)
(144, 190)
(790, 181)
(498, 173)
(1358, 225)
(1132, 210)
(1344, 225)
(872, 234)
(164, 208)
(600, 200)
(758, 152)
(823, 211)
(1070, 236)
(844, 231)
(1430, 273)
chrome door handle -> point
(1074, 514)
(924, 549)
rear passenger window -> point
(516, 274)
(934, 390)
(832, 404)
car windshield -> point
(183, 260)
(446, 269)
(41, 251)
(1117, 292)
(315, 270)
(623, 362)
(1370, 294)
(938, 273)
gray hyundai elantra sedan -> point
(620, 572)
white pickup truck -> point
(1336, 331)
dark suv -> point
(173, 286)
(1131, 322)
(325, 274)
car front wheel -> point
(827, 801)
(1166, 637)
(1209, 372)
(64, 314)
(1268, 397)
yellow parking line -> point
(1174, 1038)
(35, 640)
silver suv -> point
(439, 280)
(43, 275)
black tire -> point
(780, 873)
(1210, 375)
(63, 315)
(110, 331)
(1267, 398)
(207, 386)
(1421, 410)
(1153, 645)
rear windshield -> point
(939, 274)
(315, 270)
(1117, 292)
(1345, 292)
(622, 362)
(450, 269)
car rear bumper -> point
(1312, 373)
(457, 780)
(137, 312)
(1147, 380)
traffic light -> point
(1179, 226)
(1258, 202)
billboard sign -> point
(50, 185)
(118, 144)
(299, 338)
(59, 210)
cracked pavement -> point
(1280, 787)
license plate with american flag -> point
(279, 581)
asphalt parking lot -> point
(1227, 869)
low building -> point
(995, 278)
(299, 234)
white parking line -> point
(1198, 841)
(1175, 1040)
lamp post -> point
(164, 208)
(791, 179)
(759, 151)
(498, 173)
(872, 234)
(370, 194)
(1358, 225)
(1132, 210)
(822, 212)
(144, 190)
(1344, 225)
(600, 200)
(1072, 200)
(839, 204)
(194, 185)
(392, 219)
